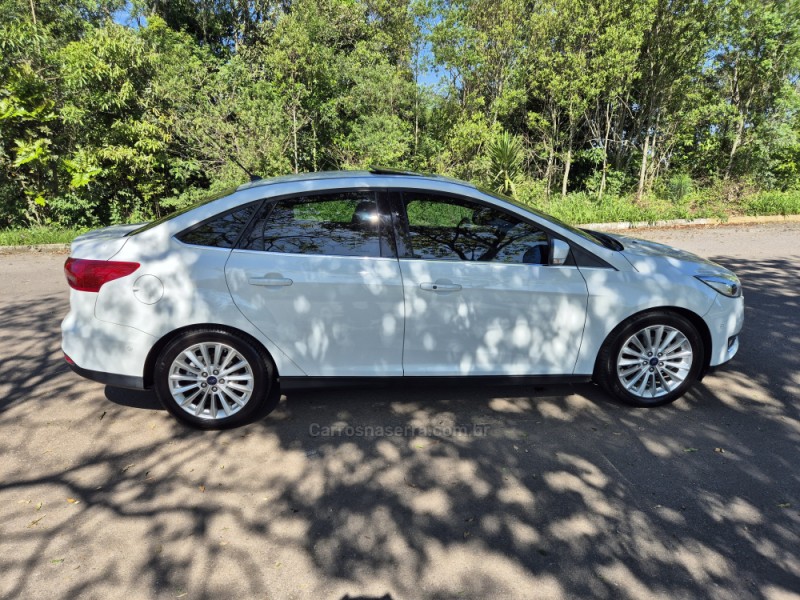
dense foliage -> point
(598, 101)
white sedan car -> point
(339, 276)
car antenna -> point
(253, 177)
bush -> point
(773, 203)
(679, 187)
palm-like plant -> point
(506, 155)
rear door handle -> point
(439, 287)
(270, 281)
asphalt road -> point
(476, 492)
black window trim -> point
(390, 207)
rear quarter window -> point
(222, 231)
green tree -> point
(757, 52)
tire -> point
(651, 359)
(190, 379)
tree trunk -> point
(548, 174)
(605, 152)
(551, 151)
(416, 117)
(314, 146)
(568, 160)
(736, 99)
(655, 164)
(643, 169)
(294, 137)
(737, 141)
(652, 167)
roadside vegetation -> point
(115, 111)
(42, 234)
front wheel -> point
(214, 379)
(651, 360)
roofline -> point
(377, 173)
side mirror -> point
(559, 252)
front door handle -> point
(270, 281)
(439, 287)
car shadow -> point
(144, 399)
(454, 491)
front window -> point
(443, 228)
(581, 232)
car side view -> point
(336, 276)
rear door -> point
(318, 275)
(481, 296)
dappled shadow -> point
(406, 491)
(31, 356)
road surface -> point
(402, 492)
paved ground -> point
(566, 493)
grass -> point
(38, 235)
(581, 208)
(773, 203)
(575, 208)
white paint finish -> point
(101, 244)
(347, 316)
(101, 346)
(148, 289)
(195, 293)
(506, 319)
(659, 260)
(616, 295)
(663, 277)
(339, 315)
(725, 318)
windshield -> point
(584, 234)
(201, 202)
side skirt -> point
(304, 383)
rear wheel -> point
(214, 379)
(651, 360)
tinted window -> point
(164, 219)
(456, 229)
(221, 231)
(581, 232)
(344, 224)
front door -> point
(480, 293)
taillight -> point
(90, 275)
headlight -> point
(727, 285)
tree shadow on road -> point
(463, 491)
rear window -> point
(177, 213)
(337, 224)
(221, 231)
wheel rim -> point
(654, 361)
(211, 380)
